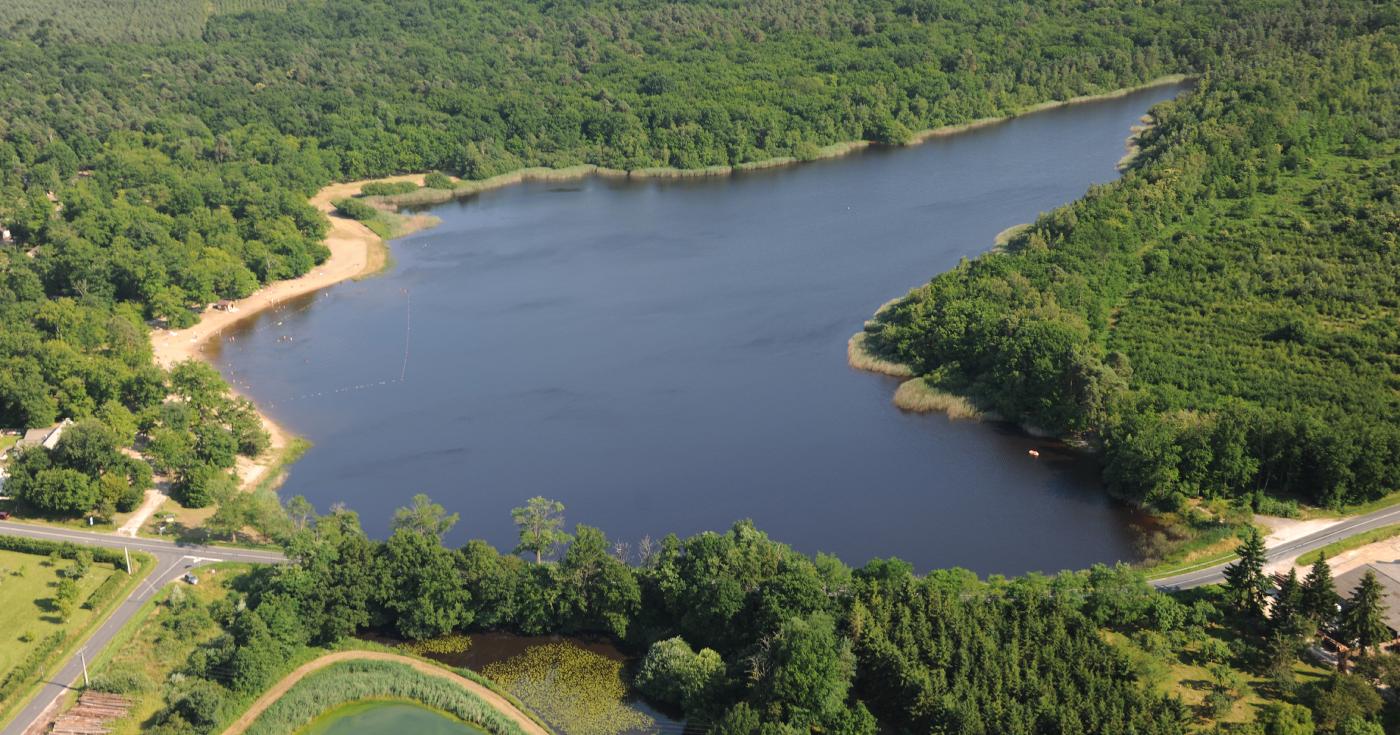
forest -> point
(1224, 321)
(745, 636)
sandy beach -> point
(355, 251)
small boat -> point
(1033, 453)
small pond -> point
(387, 718)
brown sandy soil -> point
(355, 251)
(496, 701)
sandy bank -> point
(355, 251)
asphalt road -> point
(173, 560)
(1289, 550)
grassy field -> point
(28, 611)
(33, 636)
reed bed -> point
(918, 396)
(571, 687)
(1005, 237)
(353, 681)
(860, 357)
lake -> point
(670, 356)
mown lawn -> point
(28, 612)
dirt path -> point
(496, 701)
(153, 501)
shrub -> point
(437, 180)
(673, 673)
(355, 209)
(121, 680)
(386, 189)
(104, 592)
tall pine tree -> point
(1363, 619)
(1287, 617)
(1320, 597)
(1245, 584)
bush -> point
(437, 180)
(104, 592)
(121, 680)
(355, 209)
(675, 674)
(203, 486)
(386, 189)
(64, 550)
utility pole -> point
(127, 552)
(82, 654)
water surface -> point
(669, 356)
(387, 718)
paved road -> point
(172, 561)
(1288, 550)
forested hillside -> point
(1225, 319)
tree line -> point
(747, 636)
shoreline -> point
(469, 187)
(358, 252)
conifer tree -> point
(1320, 597)
(1363, 618)
(1288, 617)
(1244, 580)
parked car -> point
(4, 515)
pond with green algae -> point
(387, 718)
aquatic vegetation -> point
(917, 395)
(442, 645)
(353, 681)
(577, 691)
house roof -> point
(47, 436)
(1388, 574)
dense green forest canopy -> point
(1225, 319)
(747, 637)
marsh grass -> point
(918, 396)
(354, 681)
(1005, 237)
(577, 690)
(860, 357)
